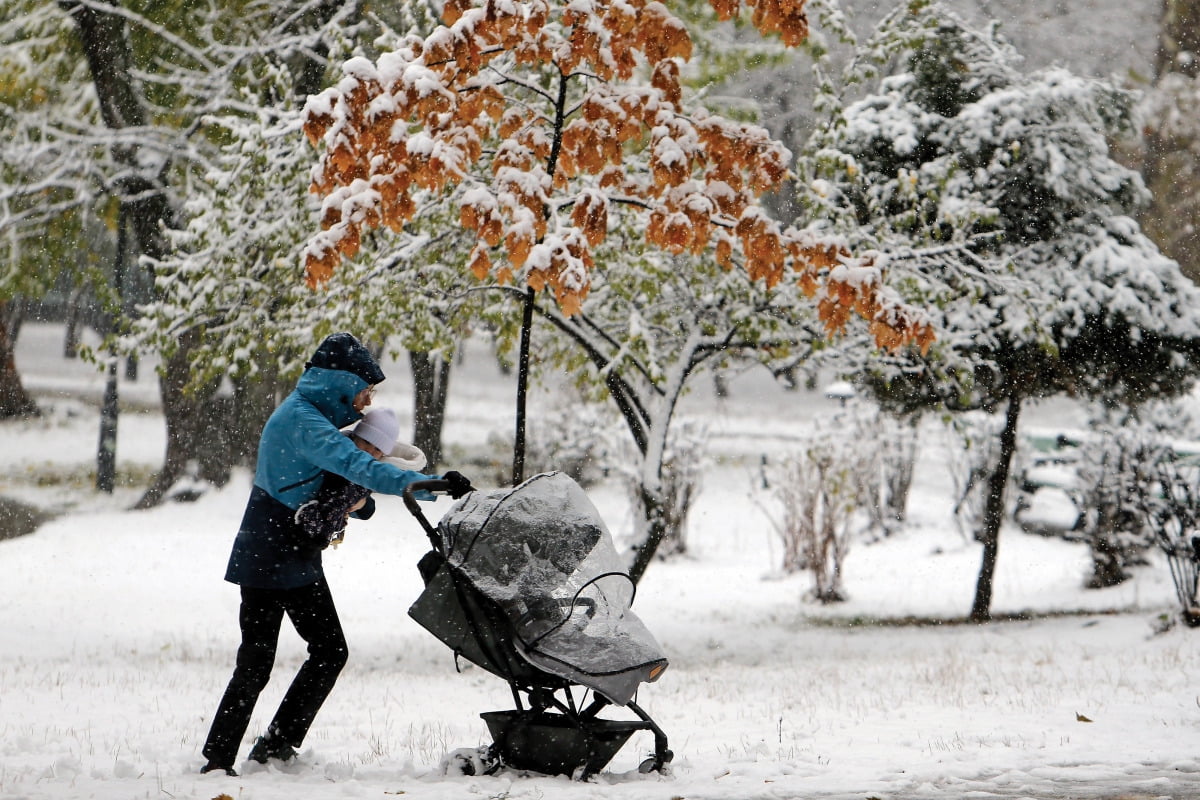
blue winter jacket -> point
(301, 440)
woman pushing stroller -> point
(276, 559)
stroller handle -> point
(436, 486)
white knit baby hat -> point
(381, 427)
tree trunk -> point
(1170, 166)
(655, 493)
(523, 386)
(106, 450)
(218, 431)
(193, 421)
(110, 59)
(431, 386)
(635, 410)
(993, 513)
(13, 315)
(72, 323)
(14, 400)
(253, 401)
(655, 524)
(1108, 568)
(1179, 35)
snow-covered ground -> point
(117, 636)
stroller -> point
(525, 583)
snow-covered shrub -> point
(896, 442)
(1119, 473)
(1116, 476)
(885, 452)
(789, 483)
(573, 437)
(818, 492)
(827, 493)
(1174, 517)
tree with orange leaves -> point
(547, 126)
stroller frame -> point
(547, 731)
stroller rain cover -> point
(542, 553)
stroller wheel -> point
(656, 764)
(470, 761)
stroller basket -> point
(525, 583)
(557, 744)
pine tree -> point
(995, 192)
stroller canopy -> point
(541, 552)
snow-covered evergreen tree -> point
(994, 191)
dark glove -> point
(323, 519)
(458, 485)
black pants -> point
(311, 610)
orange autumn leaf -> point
(318, 271)
(662, 36)
(677, 233)
(468, 217)
(924, 337)
(591, 216)
(345, 165)
(785, 17)
(492, 231)
(480, 262)
(348, 244)
(453, 10)
(666, 79)
(886, 336)
(315, 126)
(536, 279)
(668, 173)
(724, 254)
(518, 247)
(834, 315)
(726, 9)
(331, 216)
(822, 257)
(571, 303)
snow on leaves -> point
(531, 120)
(770, 16)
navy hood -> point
(343, 352)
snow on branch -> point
(530, 119)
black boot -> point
(268, 747)
(213, 766)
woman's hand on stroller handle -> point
(457, 484)
(452, 483)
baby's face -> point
(367, 447)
